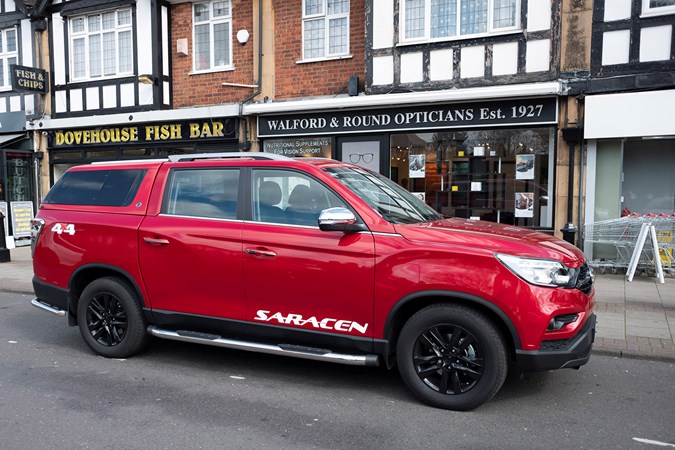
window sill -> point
(667, 10)
(220, 69)
(458, 38)
(330, 58)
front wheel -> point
(110, 318)
(451, 357)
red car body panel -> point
(301, 277)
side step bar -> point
(296, 351)
(49, 308)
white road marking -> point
(649, 441)
(237, 378)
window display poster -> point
(421, 195)
(525, 167)
(365, 154)
(416, 165)
(524, 204)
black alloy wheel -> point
(110, 317)
(448, 360)
(106, 319)
(452, 356)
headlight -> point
(544, 272)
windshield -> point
(389, 199)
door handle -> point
(155, 241)
(258, 252)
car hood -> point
(494, 238)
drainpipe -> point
(572, 136)
(245, 144)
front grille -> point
(584, 279)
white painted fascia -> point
(205, 112)
(407, 98)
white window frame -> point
(660, 11)
(427, 24)
(86, 35)
(5, 56)
(327, 18)
(212, 22)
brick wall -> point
(206, 89)
(316, 78)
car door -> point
(298, 278)
(191, 253)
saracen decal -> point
(322, 324)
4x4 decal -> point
(60, 228)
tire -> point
(110, 318)
(451, 357)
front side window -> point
(658, 6)
(289, 198)
(212, 25)
(208, 193)
(101, 45)
(8, 55)
(325, 28)
(442, 19)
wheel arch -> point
(88, 273)
(412, 303)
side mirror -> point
(339, 219)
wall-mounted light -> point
(242, 36)
(146, 79)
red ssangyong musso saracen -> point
(311, 258)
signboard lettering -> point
(26, 78)
(215, 129)
(22, 213)
(466, 115)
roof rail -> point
(253, 155)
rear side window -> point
(96, 188)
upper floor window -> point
(325, 28)
(212, 35)
(8, 55)
(441, 19)
(101, 45)
(658, 7)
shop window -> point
(424, 20)
(212, 30)
(325, 29)
(18, 177)
(8, 55)
(101, 45)
(496, 175)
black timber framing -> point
(522, 37)
(77, 7)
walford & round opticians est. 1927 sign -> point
(464, 115)
(147, 133)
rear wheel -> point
(451, 357)
(110, 318)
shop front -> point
(17, 176)
(74, 146)
(631, 158)
(488, 160)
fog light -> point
(560, 321)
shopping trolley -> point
(622, 234)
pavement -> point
(635, 319)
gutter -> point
(244, 144)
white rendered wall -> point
(473, 62)
(383, 24)
(411, 68)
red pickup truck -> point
(311, 258)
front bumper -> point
(560, 354)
